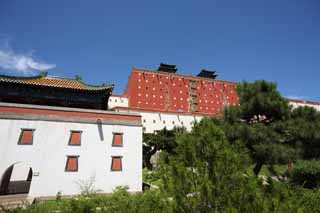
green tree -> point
(207, 173)
(304, 130)
(158, 141)
(258, 122)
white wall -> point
(153, 121)
(47, 155)
(297, 104)
(117, 101)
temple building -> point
(165, 98)
(54, 91)
(56, 134)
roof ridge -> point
(61, 77)
(80, 81)
(182, 75)
(40, 75)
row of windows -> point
(164, 122)
(72, 164)
(204, 83)
(115, 100)
(26, 138)
(171, 78)
(181, 98)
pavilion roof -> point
(43, 79)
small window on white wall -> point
(75, 138)
(117, 139)
(116, 163)
(26, 137)
(72, 163)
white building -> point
(118, 101)
(46, 150)
(154, 120)
(302, 103)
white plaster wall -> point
(48, 154)
(153, 121)
(117, 101)
(295, 105)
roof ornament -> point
(78, 78)
(208, 74)
(43, 73)
(171, 68)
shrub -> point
(306, 174)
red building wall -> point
(164, 91)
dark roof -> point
(167, 68)
(52, 81)
(207, 74)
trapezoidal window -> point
(117, 139)
(72, 164)
(116, 163)
(26, 137)
(75, 138)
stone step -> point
(13, 201)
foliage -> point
(304, 129)
(271, 130)
(309, 200)
(306, 174)
(152, 176)
(262, 102)
(119, 201)
(207, 172)
(87, 187)
(161, 140)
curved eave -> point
(85, 88)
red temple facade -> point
(166, 91)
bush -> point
(119, 201)
(306, 174)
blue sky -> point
(276, 40)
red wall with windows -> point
(163, 91)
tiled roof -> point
(51, 81)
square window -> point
(116, 164)
(75, 138)
(117, 139)
(26, 137)
(72, 164)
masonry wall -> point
(154, 121)
(47, 155)
(117, 101)
(178, 93)
(296, 104)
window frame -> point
(21, 133)
(68, 158)
(112, 158)
(113, 139)
(78, 131)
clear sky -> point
(101, 40)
